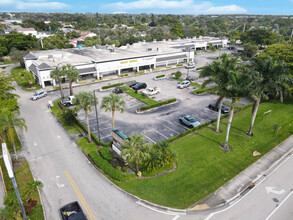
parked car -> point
(117, 90)
(189, 121)
(183, 84)
(190, 66)
(132, 83)
(139, 86)
(72, 211)
(68, 101)
(38, 95)
(224, 110)
(151, 91)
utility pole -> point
(97, 117)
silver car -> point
(183, 84)
(38, 95)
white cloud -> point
(35, 5)
(174, 6)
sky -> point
(193, 7)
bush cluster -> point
(112, 85)
(157, 104)
(108, 168)
(200, 91)
(160, 76)
(105, 153)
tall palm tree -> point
(9, 120)
(72, 75)
(57, 74)
(32, 187)
(218, 72)
(84, 100)
(235, 89)
(136, 150)
(266, 76)
(113, 103)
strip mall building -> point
(99, 61)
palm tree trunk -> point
(88, 126)
(229, 126)
(113, 123)
(219, 114)
(70, 87)
(136, 164)
(61, 90)
(255, 109)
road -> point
(270, 199)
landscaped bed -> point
(203, 167)
(23, 79)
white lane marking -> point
(105, 128)
(160, 133)
(159, 211)
(171, 129)
(180, 125)
(149, 138)
(35, 143)
(272, 190)
(176, 217)
(273, 212)
(212, 214)
(58, 137)
(106, 136)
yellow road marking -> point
(78, 193)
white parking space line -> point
(171, 129)
(106, 136)
(105, 128)
(149, 138)
(177, 124)
(160, 133)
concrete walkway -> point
(247, 179)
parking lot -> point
(159, 124)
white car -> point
(38, 95)
(151, 91)
(190, 66)
(183, 84)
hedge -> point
(206, 89)
(160, 76)
(157, 104)
(112, 85)
(108, 168)
(105, 153)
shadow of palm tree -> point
(208, 138)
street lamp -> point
(97, 117)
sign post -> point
(8, 164)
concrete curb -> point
(152, 109)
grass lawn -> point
(72, 129)
(17, 74)
(203, 167)
(86, 146)
(139, 96)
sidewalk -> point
(243, 182)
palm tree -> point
(136, 150)
(113, 103)
(84, 100)
(218, 72)
(8, 121)
(32, 187)
(266, 76)
(57, 74)
(72, 75)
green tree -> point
(31, 188)
(177, 29)
(6, 86)
(57, 74)
(135, 150)
(250, 48)
(72, 75)
(259, 36)
(28, 77)
(113, 103)
(9, 120)
(266, 76)
(219, 72)
(84, 100)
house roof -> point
(33, 68)
(30, 56)
(44, 66)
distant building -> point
(26, 31)
(77, 41)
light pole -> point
(97, 117)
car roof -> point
(186, 81)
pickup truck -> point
(68, 101)
(72, 211)
(151, 91)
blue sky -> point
(276, 7)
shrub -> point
(125, 169)
(160, 76)
(68, 115)
(112, 85)
(157, 104)
(206, 89)
(108, 168)
(178, 74)
(105, 153)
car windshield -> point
(37, 93)
(192, 120)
